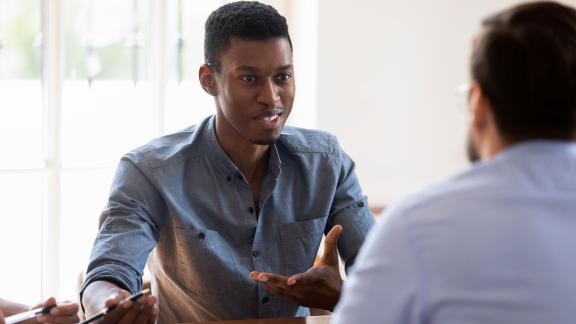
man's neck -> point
(250, 158)
(252, 161)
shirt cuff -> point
(114, 274)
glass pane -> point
(107, 102)
(21, 124)
(20, 39)
(21, 236)
(102, 122)
(105, 39)
(84, 195)
(186, 103)
(20, 65)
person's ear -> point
(207, 79)
(479, 107)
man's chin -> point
(265, 141)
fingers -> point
(2, 321)
(273, 282)
(142, 310)
(67, 308)
(148, 310)
(58, 319)
(118, 313)
(120, 308)
(309, 278)
(268, 278)
(130, 313)
(49, 302)
(330, 256)
(66, 312)
(332, 236)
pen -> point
(29, 314)
(109, 309)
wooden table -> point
(291, 320)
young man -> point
(495, 243)
(65, 312)
(237, 193)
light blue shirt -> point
(494, 244)
(182, 198)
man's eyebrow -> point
(286, 67)
(247, 68)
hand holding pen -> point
(125, 308)
(49, 311)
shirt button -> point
(256, 253)
(228, 178)
(251, 210)
(201, 236)
(239, 176)
(361, 204)
(265, 300)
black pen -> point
(107, 310)
(29, 314)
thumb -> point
(330, 256)
(49, 302)
(2, 318)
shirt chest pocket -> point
(206, 263)
(300, 242)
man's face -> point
(254, 90)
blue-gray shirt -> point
(493, 244)
(182, 205)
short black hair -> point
(247, 20)
(525, 64)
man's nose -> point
(269, 93)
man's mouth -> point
(269, 120)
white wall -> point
(387, 74)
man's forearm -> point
(10, 308)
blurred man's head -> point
(524, 77)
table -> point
(325, 319)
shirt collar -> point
(223, 162)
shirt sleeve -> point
(384, 286)
(129, 228)
(349, 209)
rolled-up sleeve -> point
(349, 209)
(129, 226)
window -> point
(83, 82)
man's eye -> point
(284, 77)
(248, 78)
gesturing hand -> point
(318, 287)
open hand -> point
(318, 287)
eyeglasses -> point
(462, 92)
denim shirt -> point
(180, 204)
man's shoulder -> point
(301, 140)
(480, 182)
(171, 148)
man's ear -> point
(207, 79)
(479, 107)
